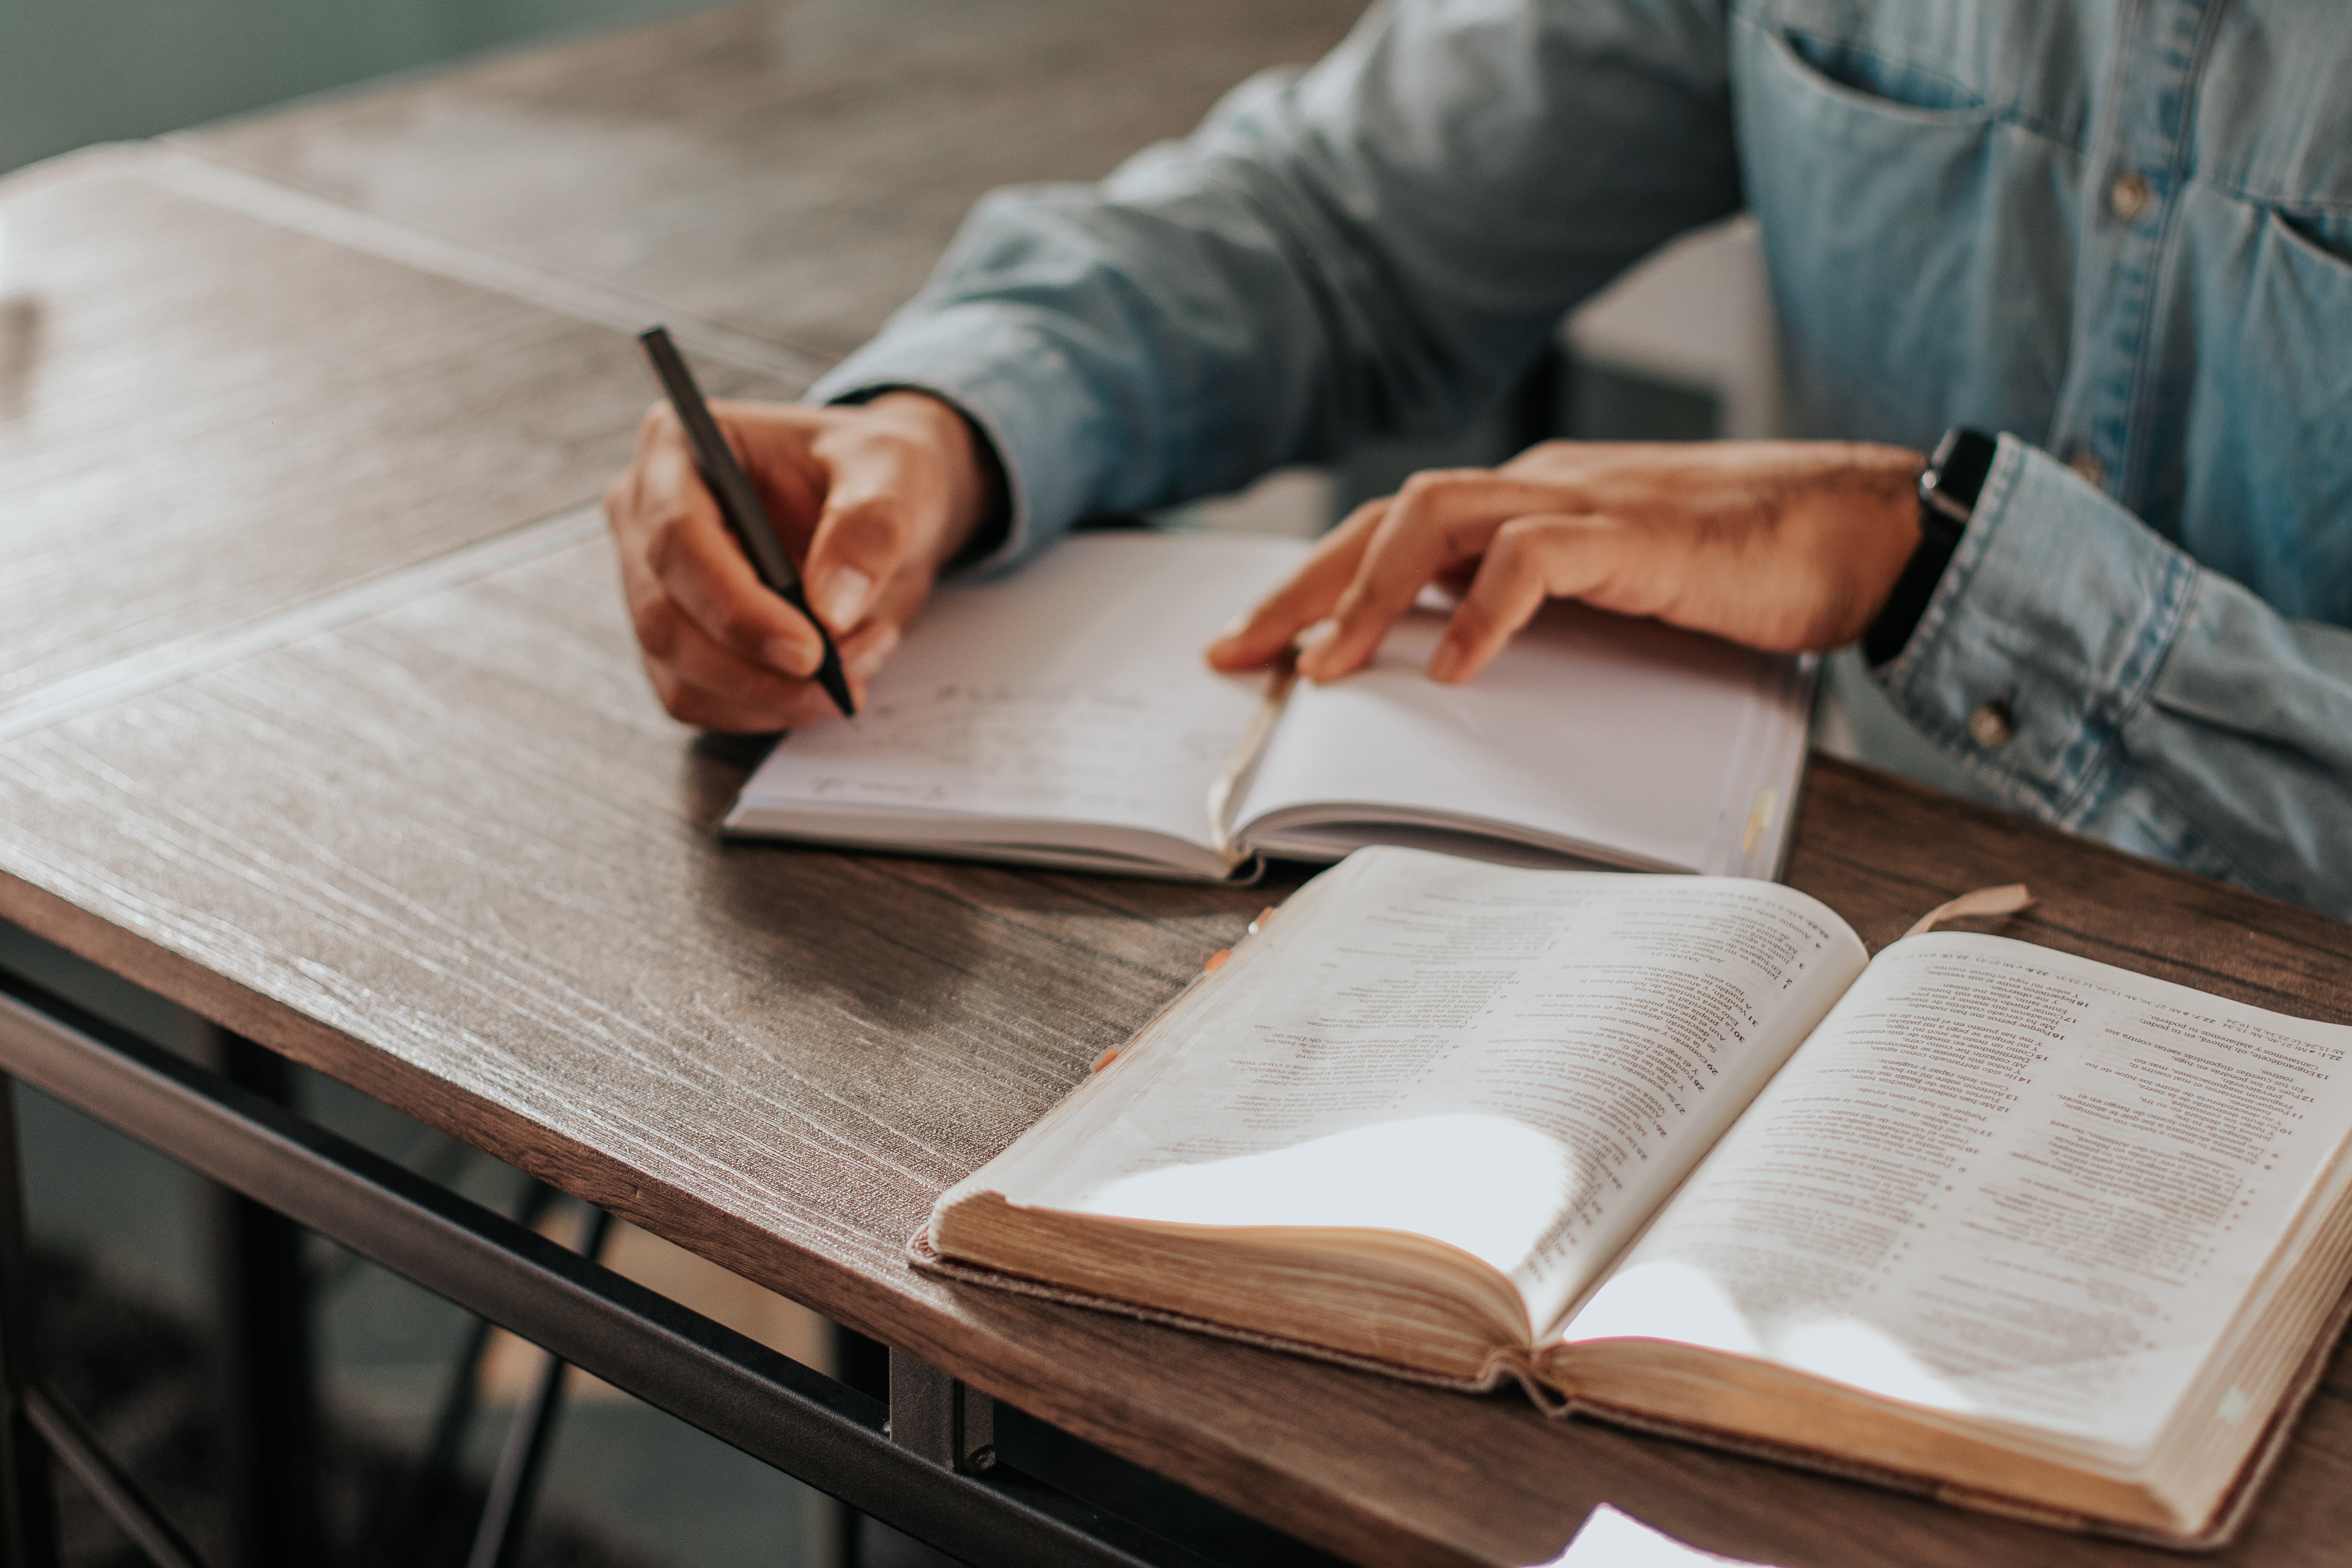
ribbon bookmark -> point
(1225, 792)
(2002, 900)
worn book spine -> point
(2218, 1532)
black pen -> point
(739, 503)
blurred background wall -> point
(78, 71)
(1681, 349)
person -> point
(2120, 236)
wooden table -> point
(318, 715)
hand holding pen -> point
(740, 508)
(871, 501)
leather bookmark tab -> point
(2002, 900)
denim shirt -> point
(2117, 231)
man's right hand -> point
(871, 501)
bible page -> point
(2001, 1182)
(1520, 1064)
(1072, 692)
(1613, 740)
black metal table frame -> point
(923, 1464)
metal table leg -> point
(771, 1408)
(76, 1447)
(28, 1533)
(407, 1516)
(35, 1425)
(264, 1296)
(498, 1540)
(947, 1422)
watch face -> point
(1934, 504)
(1955, 475)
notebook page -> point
(2000, 1181)
(1518, 1063)
(1625, 735)
(1073, 690)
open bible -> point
(1062, 716)
(1975, 1216)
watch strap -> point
(1949, 489)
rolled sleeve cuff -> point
(1011, 381)
(2053, 618)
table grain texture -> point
(791, 169)
(453, 854)
(206, 419)
(433, 836)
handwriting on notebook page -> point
(1125, 751)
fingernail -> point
(1445, 663)
(791, 655)
(845, 599)
(867, 659)
(1233, 628)
(1315, 636)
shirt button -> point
(2093, 472)
(1992, 724)
(2128, 197)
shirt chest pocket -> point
(2248, 445)
(1920, 244)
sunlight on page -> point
(1485, 1184)
(1610, 1539)
(2004, 1181)
(1680, 1301)
(1665, 1301)
(1865, 1356)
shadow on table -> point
(1093, 1475)
(150, 1382)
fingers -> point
(1437, 520)
(1780, 545)
(1274, 624)
(669, 528)
(870, 496)
(861, 544)
(1529, 560)
(907, 479)
(863, 651)
(704, 684)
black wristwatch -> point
(1948, 499)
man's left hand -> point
(1784, 545)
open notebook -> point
(1064, 716)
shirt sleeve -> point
(1371, 246)
(2089, 671)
